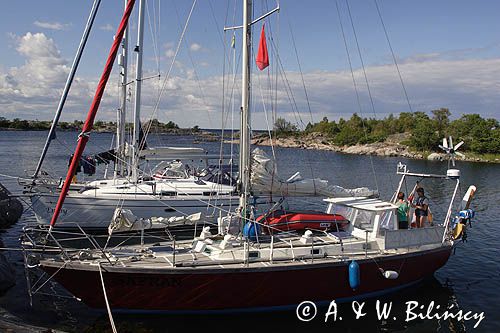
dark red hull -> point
(202, 289)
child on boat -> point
(402, 212)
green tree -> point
(351, 131)
(405, 122)
(424, 135)
(171, 125)
(282, 126)
(480, 135)
(19, 124)
(4, 123)
(442, 119)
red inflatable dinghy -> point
(281, 220)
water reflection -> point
(428, 291)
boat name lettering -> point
(171, 282)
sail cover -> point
(266, 181)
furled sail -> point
(266, 181)
(124, 220)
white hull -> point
(97, 212)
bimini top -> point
(364, 203)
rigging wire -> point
(366, 80)
(167, 76)
(231, 105)
(288, 88)
(394, 57)
(307, 98)
(195, 73)
(300, 70)
(361, 59)
(153, 38)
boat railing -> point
(41, 239)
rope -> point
(108, 308)
(15, 177)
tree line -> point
(425, 132)
(41, 125)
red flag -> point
(262, 58)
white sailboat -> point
(165, 193)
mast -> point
(69, 81)
(244, 168)
(89, 122)
(121, 112)
(137, 100)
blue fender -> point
(354, 279)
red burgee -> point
(262, 58)
(89, 122)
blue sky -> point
(448, 52)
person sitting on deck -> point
(402, 212)
(421, 207)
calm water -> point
(470, 280)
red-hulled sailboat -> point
(231, 271)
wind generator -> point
(451, 150)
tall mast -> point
(120, 123)
(244, 168)
(89, 122)
(71, 75)
(138, 86)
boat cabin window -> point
(253, 254)
(172, 170)
(168, 193)
(388, 221)
(363, 219)
(223, 174)
(365, 215)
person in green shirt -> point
(402, 212)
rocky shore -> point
(318, 142)
(391, 147)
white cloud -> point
(43, 67)
(169, 53)
(169, 45)
(195, 47)
(51, 25)
(107, 27)
(33, 89)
